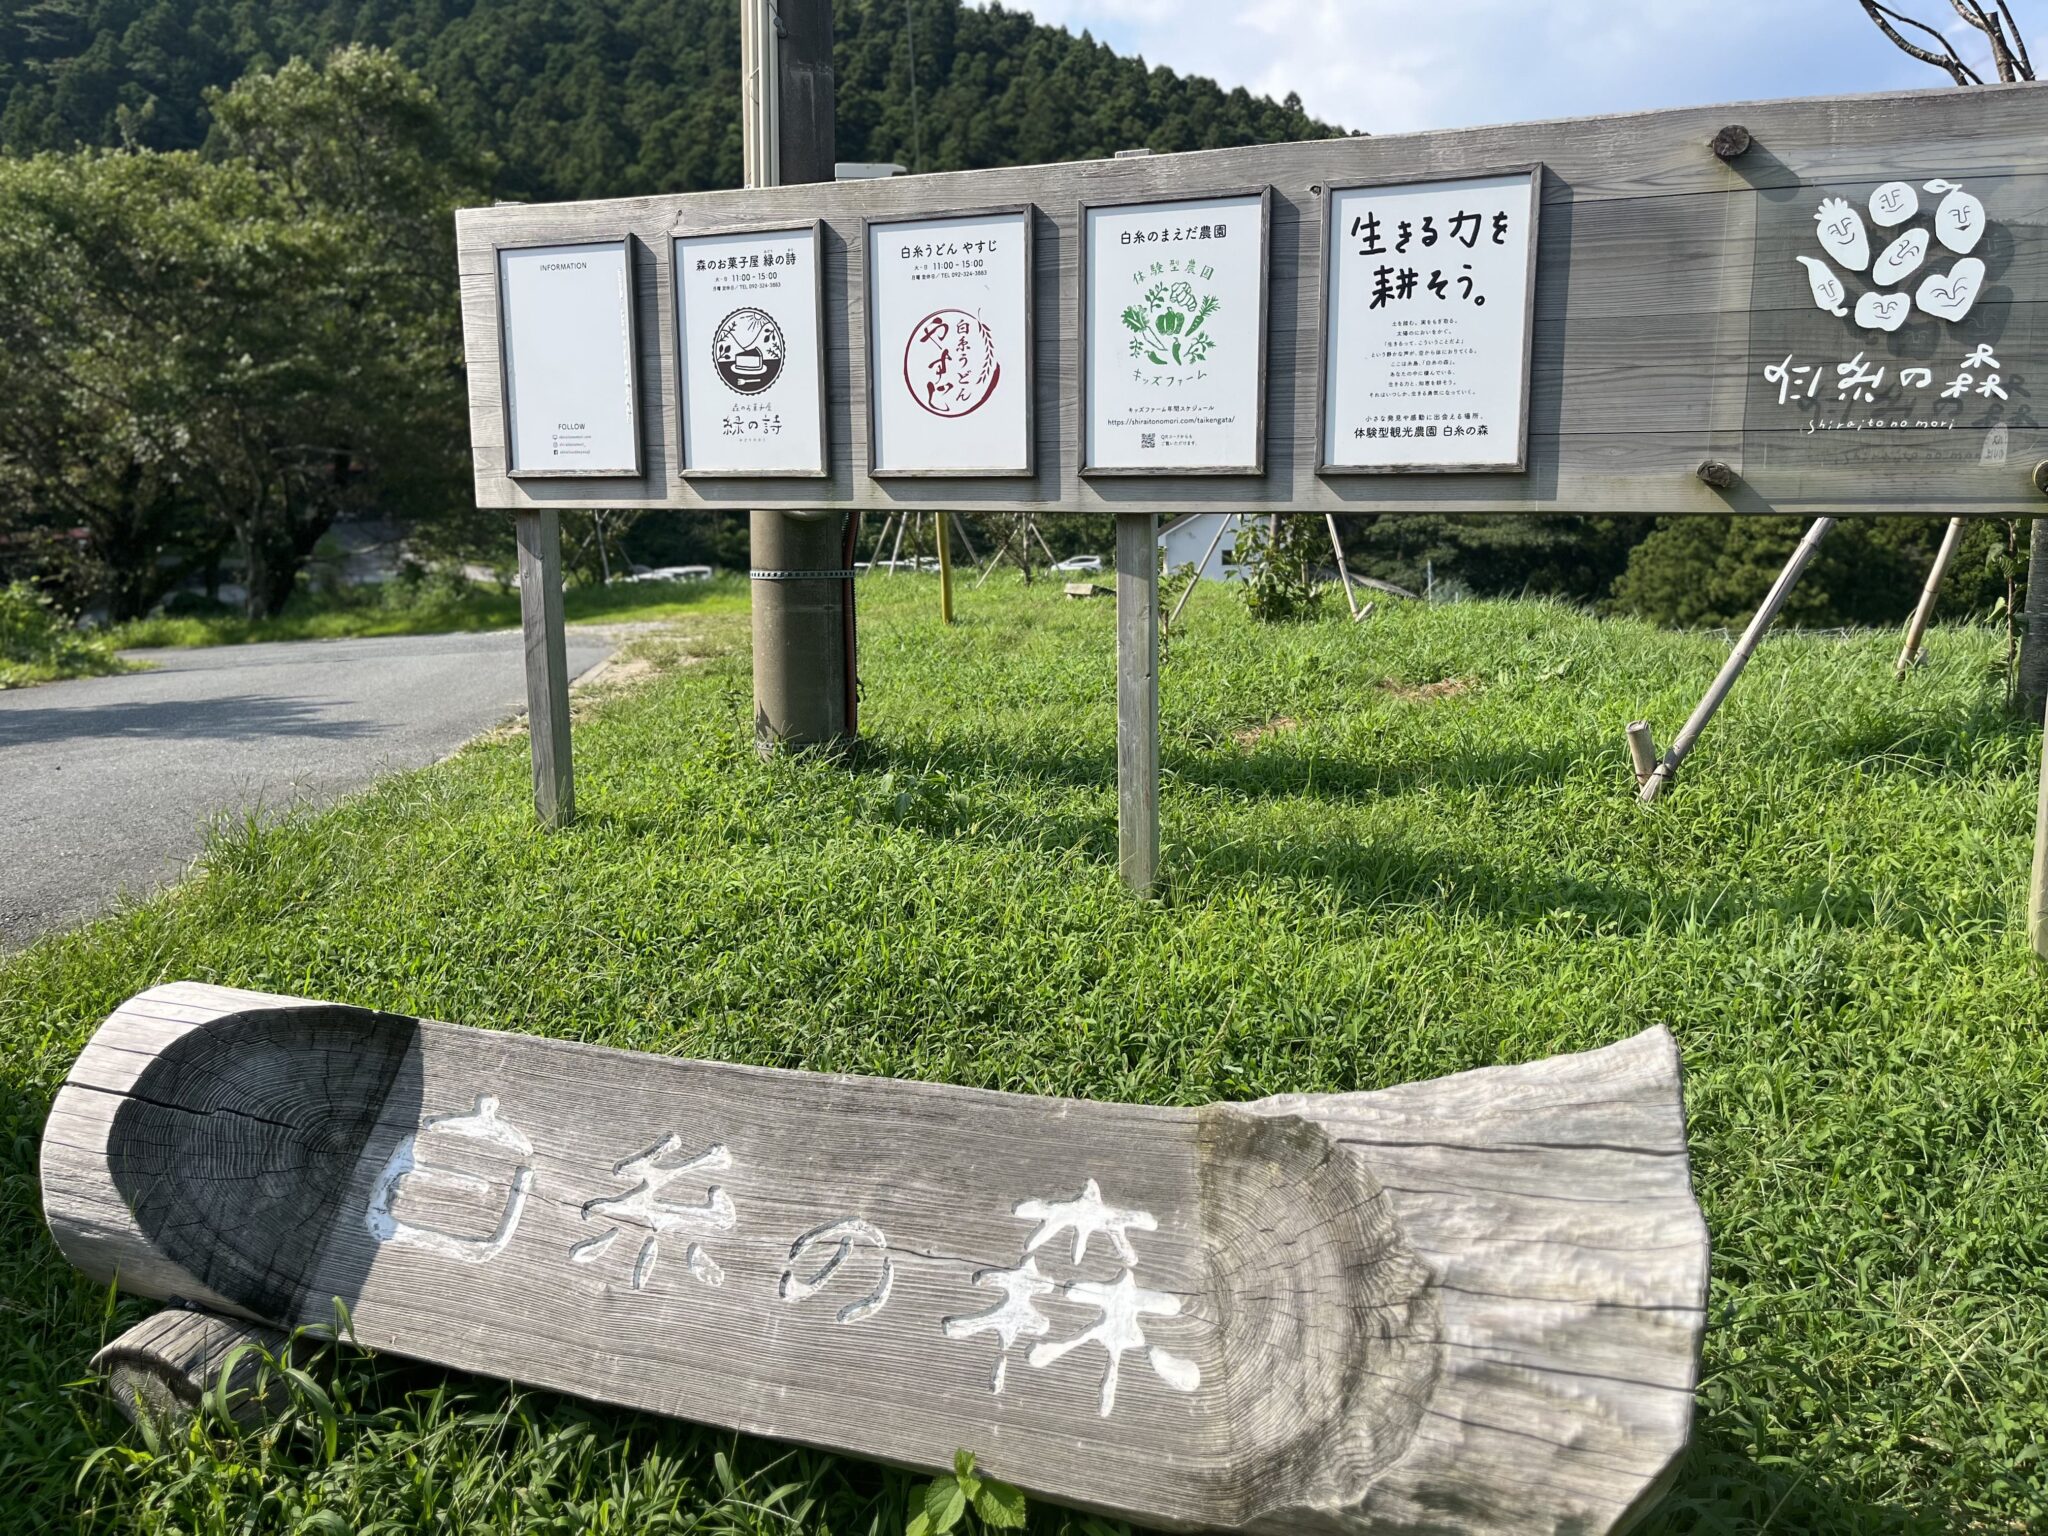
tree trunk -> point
(2032, 688)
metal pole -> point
(1737, 660)
(804, 690)
(1924, 609)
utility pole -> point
(802, 561)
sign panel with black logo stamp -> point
(750, 364)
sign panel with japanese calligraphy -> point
(750, 360)
(567, 318)
(949, 345)
(1343, 1312)
(1173, 335)
(1428, 323)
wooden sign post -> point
(1467, 1305)
(1816, 308)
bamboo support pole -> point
(1923, 611)
(1642, 751)
(996, 559)
(1731, 669)
(1208, 554)
(941, 520)
(1343, 570)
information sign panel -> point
(566, 318)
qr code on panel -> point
(1147, 440)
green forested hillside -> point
(600, 98)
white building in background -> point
(1186, 540)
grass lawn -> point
(1395, 849)
(435, 610)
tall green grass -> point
(1394, 849)
(432, 607)
(37, 644)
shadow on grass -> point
(937, 796)
(1271, 772)
(1722, 1491)
(1926, 746)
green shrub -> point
(1281, 560)
(39, 645)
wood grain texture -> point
(539, 536)
(1137, 700)
(1469, 1305)
(1662, 282)
(164, 1365)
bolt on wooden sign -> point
(1473, 1304)
(1845, 314)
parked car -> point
(1079, 563)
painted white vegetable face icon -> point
(1959, 221)
(1883, 311)
(1901, 259)
(1842, 234)
(1949, 295)
(1827, 288)
(1893, 203)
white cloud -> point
(1389, 66)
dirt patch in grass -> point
(649, 651)
(1252, 735)
(1429, 693)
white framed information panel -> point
(1428, 321)
(1173, 335)
(750, 365)
(565, 316)
(949, 343)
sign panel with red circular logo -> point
(949, 338)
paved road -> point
(107, 784)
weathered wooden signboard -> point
(1466, 1305)
(1843, 303)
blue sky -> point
(1391, 66)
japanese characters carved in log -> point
(1465, 1305)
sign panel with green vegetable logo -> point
(1173, 328)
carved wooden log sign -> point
(1473, 1304)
